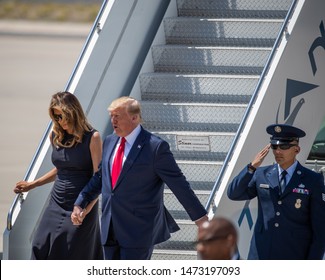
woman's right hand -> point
(23, 186)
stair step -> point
(192, 117)
(222, 32)
(173, 255)
(198, 145)
(176, 245)
(166, 87)
(209, 60)
(199, 185)
(187, 232)
(239, 8)
(200, 174)
(172, 204)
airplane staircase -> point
(203, 79)
(197, 66)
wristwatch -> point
(251, 168)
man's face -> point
(285, 158)
(211, 246)
(122, 122)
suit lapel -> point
(272, 176)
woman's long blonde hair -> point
(75, 116)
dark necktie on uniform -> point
(283, 181)
(117, 163)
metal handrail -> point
(250, 104)
(20, 197)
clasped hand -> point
(77, 216)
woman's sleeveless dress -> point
(56, 237)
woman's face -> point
(61, 119)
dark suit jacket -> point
(288, 226)
(136, 205)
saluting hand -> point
(260, 156)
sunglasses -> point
(207, 241)
(282, 146)
(57, 117)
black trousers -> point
(114, 251)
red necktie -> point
(117, 163)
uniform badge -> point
(277, 129)
(301, 186)
(298, 203)
(301, 191)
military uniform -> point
(290, 224)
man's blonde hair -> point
(132, 105)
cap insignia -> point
(277, 129)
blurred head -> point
(217, 239)
(125, 114)
(68, 117)
(285, 143)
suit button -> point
(279, 202)
(277, 213)
(276, 224)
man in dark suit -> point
(217, 240)
(291, 207)
(134, 217)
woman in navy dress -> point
(76, 154)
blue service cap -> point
(283, 133)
